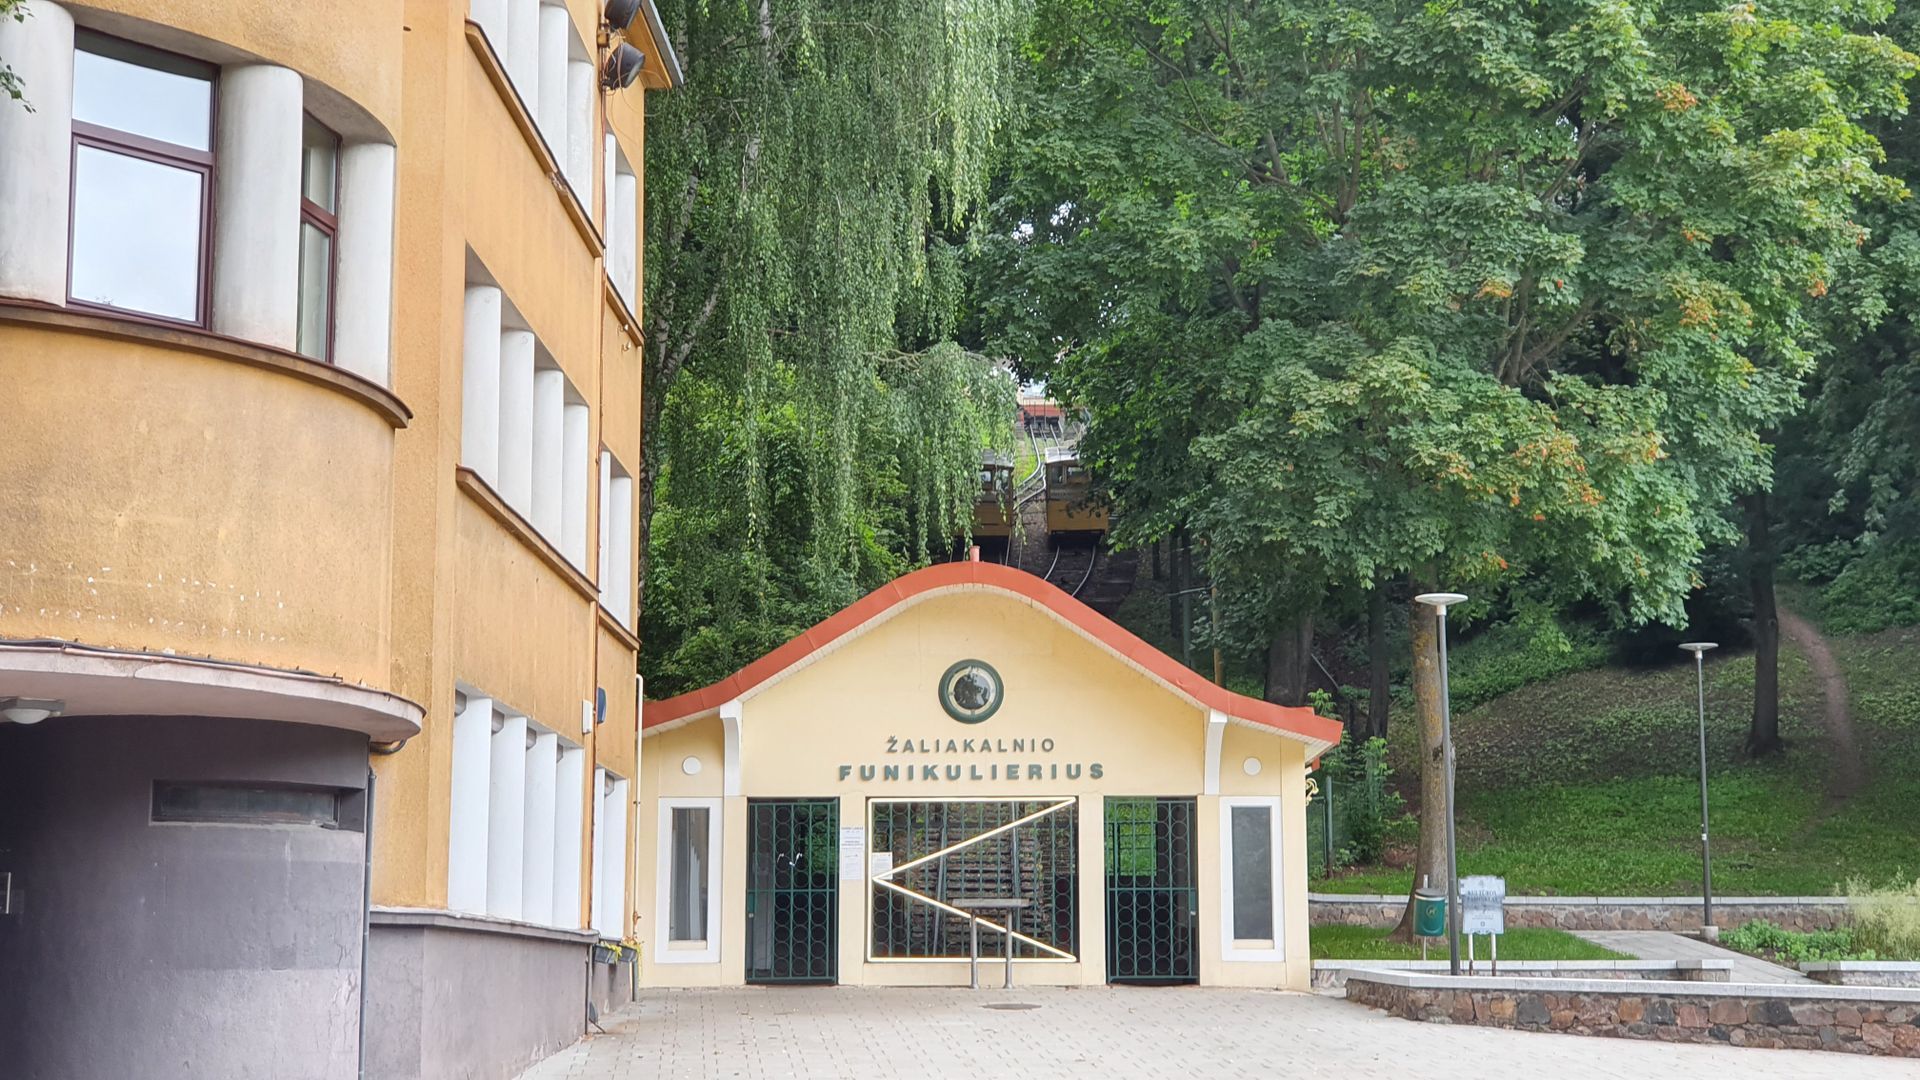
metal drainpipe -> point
(366, 916)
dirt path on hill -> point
(1847, 772)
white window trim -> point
(1229, 950)
(663, 952)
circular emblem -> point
(970, 691)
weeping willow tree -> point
(811, 429)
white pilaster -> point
(730, 748)
(603, 553)
(516, 420)
(536, 871)
(256, 215)
(492, 17)
(549, 450)
(523, 51)
(625, 235)
(467, 815)
(609, 147)
(577, 456)
(579, 149)
(363, 274)
(506, 818)
(569, 841)
(597, 898)
(556, 29)
(613, 904)
(1216, 735)
(36, 154)
(480, 384)
(620, 518)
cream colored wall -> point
(158, 497)
(842, 709)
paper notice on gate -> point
(853, 852)
(880, 862)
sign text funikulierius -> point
(984, 759)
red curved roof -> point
(1300, 723)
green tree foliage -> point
(1494, 292)
(811, 429)
(10, 85)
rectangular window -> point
(1251, 923)
(687, 910)
(319, 192)
(142, 180)
(254, 804)
(687, 882)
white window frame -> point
(1231, 950)
(664, 951)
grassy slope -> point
(1586, 783)
(1362, 943)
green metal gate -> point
(1151, 895)
(793, 890)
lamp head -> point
(1698, 647)
(24, 711)
(1441, 600)
(622, 67)
(619, 13)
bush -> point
(1764, 939)
(1887, 920)
(1367, 811)
(1517, 653)
(1878, 590)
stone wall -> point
(1604, 912)
(1333, 974)
(1865, 1021)
(1864, 972)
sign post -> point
(1483, 910)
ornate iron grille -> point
(1151, 894)
(947, 852)
(793, 888)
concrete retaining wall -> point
(1603, 912)
(1863, 972)
(1860, 1021)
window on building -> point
(515, 822)
(687, 890)
(1250, 921)
(319, 202)
(610, 855)
(142, 179)
(227, 803)
(623, 225)
(616, 539)
(524, 426)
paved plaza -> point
(1181, 1034)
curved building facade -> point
(317, 654)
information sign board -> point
(1483, 900)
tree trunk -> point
(1431, 860)
(1288, 659)
(1379, 691)
(1176, 601)
(1763, 737)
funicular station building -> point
(969, 750)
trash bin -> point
(1429, 912)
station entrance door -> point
(1152, 898)
(793, 890)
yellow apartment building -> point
(319, 350)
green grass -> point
(1365, 943)
(1586, 784)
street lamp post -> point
(1699, 651)
(1440, 602)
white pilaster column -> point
(36, 154)
(579, 151)
(569, 839)
(603, 553)
(625, 238)
(516, 420)
(467, 815)
(256, 215)
(614, 905)
(506, 818)
(621, 522)
(556, 27)
(609, 161)
(363, 271)
(549, 451)
(480, 384)
(523, 51)
(492, 17)
(597, 898)
(536, 872)
(577, 459)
